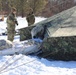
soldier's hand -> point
(16, 23)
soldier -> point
(30, 17)
(11, 24)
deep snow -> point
(32, 65)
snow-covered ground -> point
(32, 65)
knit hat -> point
(13, 9)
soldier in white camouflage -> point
(11, 24)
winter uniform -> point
(30, 18)
(11, 21)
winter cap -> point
(13, 9)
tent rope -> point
(4, 66)
(6, 70)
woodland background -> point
(44, 8)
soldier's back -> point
(30, 19)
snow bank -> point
(33, 65)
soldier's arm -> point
(27, 18)
(11, 17)
(16, 22)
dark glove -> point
(16, 23)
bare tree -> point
(37, 5)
